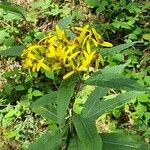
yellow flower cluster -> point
(57, 51)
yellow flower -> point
(96, 35)
(41, 64)
(58, 52)
(83, 32)
(60, 33)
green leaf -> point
(46, 99)
(102, 5)
(10, 73)
(37, 93)
(87, 133)
(93, 98)
(122, 142)
(19, 88)
(116, 81)
(42, 4)
(76, 144)
(48, 141)
(103, 106)
(48, 111)
(147, 79)
(116, 49)
(3, 35)
(65, 22)
(44, 106)
(65, 93)
(13, 8)
(116, 69)
(49, 75)
(93, 3)
(146, 36)
(14, 51)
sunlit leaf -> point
(102, 106)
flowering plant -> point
(65, 56)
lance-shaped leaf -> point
(76, 144)
(13, 8)
(87, 133)
(122, 142)
(65, 93)
(115, 69)
(116, 49)
(48, 141)
(113, 80)
(93, 99)
(44, 106)
(13, 51)
(103, 106)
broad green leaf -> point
(13, 8)
(116, 49)
(48, 141)
(103, 106)
(122, 142)
(87, 133)
(93, 98)
(14, 51)
(116, 81)
(45, 108)
(65, 93)
(76, 144)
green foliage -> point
(14, 51)
(87, 133)
(118, 142)
(65, 93)
(44, 107)
(49, 141)
(101, 107)
(93, 108)
(13, 8)
(72, 106)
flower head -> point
(58, 52)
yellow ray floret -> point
(58, 52)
